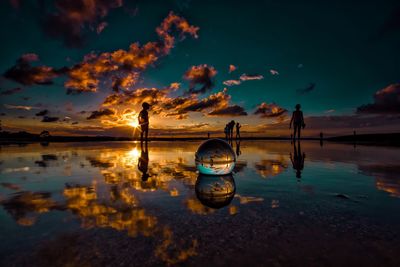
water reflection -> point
(297, 159)
(238, 151)
(147, 191)
(120, 210)
(25, 206)
(215, 191)
(143, 163)
(271, 167)
(387, 177)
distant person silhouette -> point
(354, 139)
(321, 139)
(238, 126)
(297, 159)
(231, 126)
(226, 131)
(143, 162)
(144, 121)
(297, 121)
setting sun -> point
(133, 123)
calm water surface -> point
(96, 204)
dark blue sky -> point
(349, 50)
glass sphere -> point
(215, 157)
(215, 191)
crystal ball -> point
(215, 157)
(215, 191)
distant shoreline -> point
(391, 139)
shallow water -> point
(103, 198)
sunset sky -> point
(84, 67)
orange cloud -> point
(232, 68)
(202, 75)
(272, 110)
(127, 65)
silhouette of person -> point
(321, 139)
(143, 162)
(238, 151)
(208, 135)
(238, 126)
(297, 159)
(297, 121)
(226, 131)
(144, 121)
(231, 126)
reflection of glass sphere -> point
(215, 191)
(215, 157)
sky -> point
(84, 67)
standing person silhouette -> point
(231, 126)
(238, 126)
(226, 131)
(298, 122)
(144, 121)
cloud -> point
(29, 57)
(124, 82)
(178, 107)
(101, 113)
(93, 70)
(246, 77)
(217, 104)
(50, 119)
(200, 75)
(232, 68)
(272, 110)
(42, 113)
(193, 126)
(101, 27)
(72, 21)
(127, 65)
(234, 110)
(232, 82)
(24, 73)
(174, 86)
(386, 100)
(379, 121)
(307, 89)
(11, 91)
(273, 72)
(150, 95)
(19, 107)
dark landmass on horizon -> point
(384, 139)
